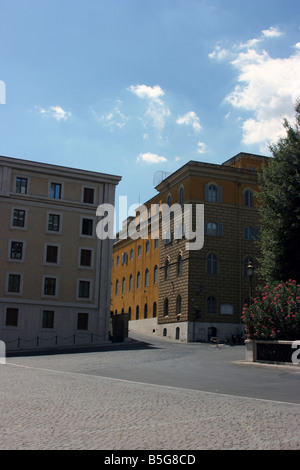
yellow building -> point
(191, 295)
(55, 272)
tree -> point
(279, 198)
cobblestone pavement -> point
(55, 402)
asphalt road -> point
(203, 367)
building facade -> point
(55, 271)
(198, 293)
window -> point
(179, 265)
(130, 283)
(181, 194)
(169, 200)
(85, 257)
(21, 185)
(87, 227)
(156, 243)
(118, 260)
(147, 277)
(154, 309)
(248, 198)
(82, 321)
(145, 310)
(88, 195)
(147, 246)
(51, 254)
(49, 286)
(213, 192)
(137, 312)
(155, 275)
(129, 313)
(166, 307)
(84, 289)
(19, 218)
(12, 317)
(139, 250)
(131, 253)
(16, 250)
(167, 269)
(138, 280)
(53, 222)
(178, 305)
(211, 305)
(177, 333)
(123, 285)
(14, 282)
(212, 264)
(55, 190)
(251, 233)
(117, 287)
(214, 229)
(48, 319)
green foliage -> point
(279, 199)
(274, 313)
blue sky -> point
(136, 87)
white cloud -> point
(150, 158)
(112, 119)
(57, 112)
(201, 147)
(272, 32)
(218, 53)
(157, 110)
(190, 119)
(266, 87)
(144, 91)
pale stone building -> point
(54, 270)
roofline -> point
(36, 166)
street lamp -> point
(250, 270)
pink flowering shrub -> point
(274, 313)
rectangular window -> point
(87, 227)
(85, 257)
(88, 195)
(51, 254)
(21, 185)
(82, 321)
(84, 289)
(49, 286)
(55, 190)
(12, 317)
(16, 250)
(53, 222)
(19, 218)
(48, 319)
(14, 282)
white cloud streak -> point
(57, 112)
(151, 158)
(157, 111)
(190, 119)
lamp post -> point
(250, 271)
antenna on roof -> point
(159, 176)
